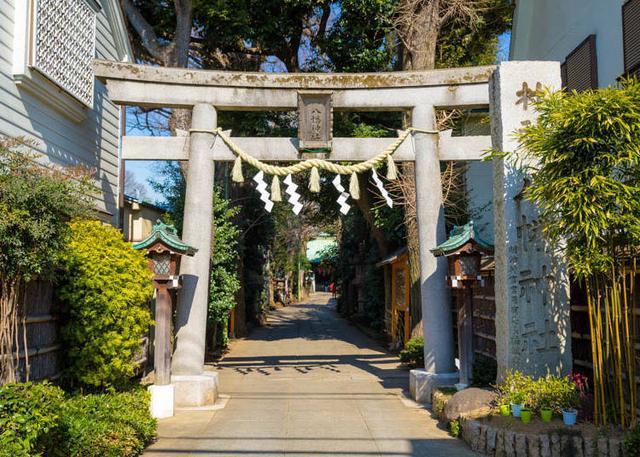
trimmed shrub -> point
(37, 420)
(105, 291)
(29, 416)
(413, 352)
(106, 425)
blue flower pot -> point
(515, 409)
(569, 416)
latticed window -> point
(162, 264)
(65, 45)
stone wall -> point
(488, 440)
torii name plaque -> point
(315, 121)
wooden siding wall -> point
(484, 317)
(92, 143)
(43, 343)
(484, 314)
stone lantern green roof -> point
(460, 236)
(168, 235)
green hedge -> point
(38, 419)
(413, 352)
(106, 289)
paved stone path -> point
(308, 384)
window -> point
(631, 36)
(580, 69)
(54, 47)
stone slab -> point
(422, 383)
(195, 390)
(162, 401)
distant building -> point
(597, 41)
(48, 92)
(138, 218)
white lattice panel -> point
(65, 45)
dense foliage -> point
(224, 267)
(553, 392)
(105, 425)
(413, 352)
(29, 415)
(36, 202)
(583, 161)
(38, 419)
(585, 166)
(106, 289)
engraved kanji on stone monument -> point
(315, 120)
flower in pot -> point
(525, 415)
(505, 410)
(517, 403)
(571, 401)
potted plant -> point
(546, 413)
(525, 415)
(516, 400)
(505, 410)
(570, 403)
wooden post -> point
(162, 343)
(465, 334)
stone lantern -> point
(164, 250)
(464, 250)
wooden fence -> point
(43, 351)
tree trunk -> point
(364, 205)
(419, 26)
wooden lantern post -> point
(164, 250)
(464, 250)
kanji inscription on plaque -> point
(315, 120)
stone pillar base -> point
(422, 383)
(162, 399)
(195, 390)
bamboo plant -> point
(583, 159)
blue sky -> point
(143, 170)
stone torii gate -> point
(418, 94)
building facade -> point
(48, 93)
(597, 41)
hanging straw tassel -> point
(275, 189)
(314, 181)
(354, 188)
(236, 173)
(392, 171)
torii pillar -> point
(194, 387)
(436, 306)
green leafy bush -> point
(36, 203)
(515, 388)
(106, 425)
(454, 428)
(632, 443)
(37, 420)
(550, 391)
(224, 283)
(413, 352)
(106, 289)
(29, 416)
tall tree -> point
(435, 33)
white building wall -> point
(551, 29)
(94, 142)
